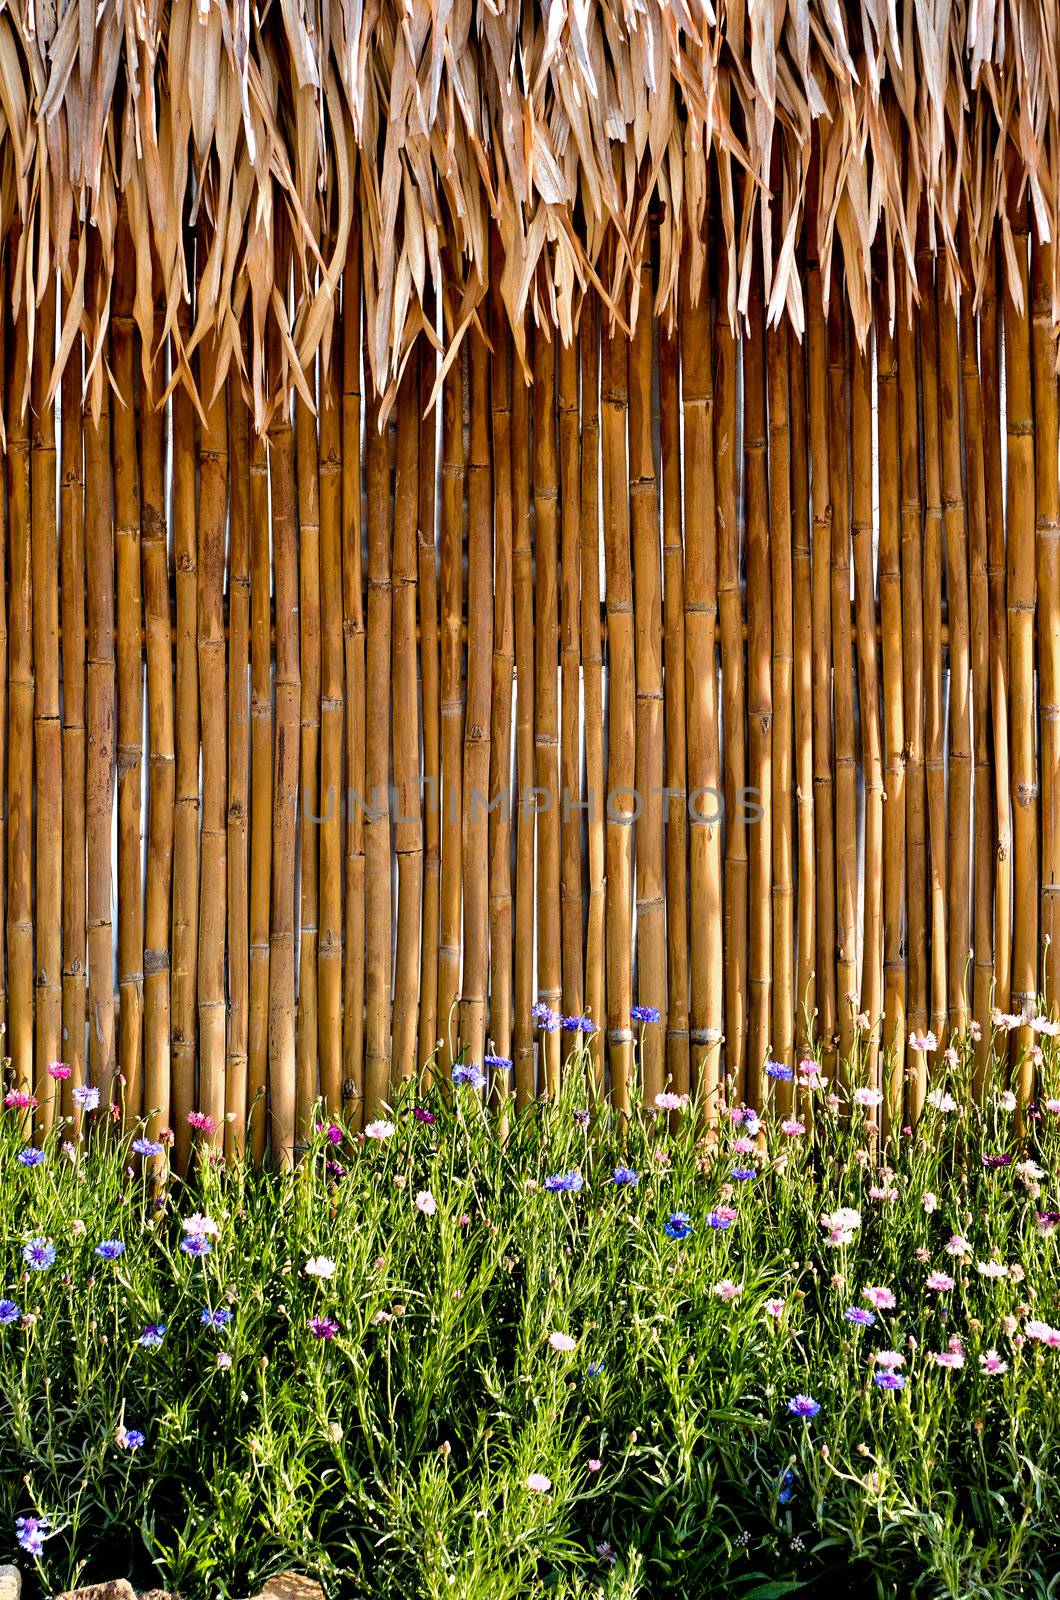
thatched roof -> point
(281, 138)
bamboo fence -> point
(536, 511)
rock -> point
(10, 1583)
(115, 1589)
(291, 1586)
(152, 1594)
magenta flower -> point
(323, 1327)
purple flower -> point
(31, 1533)
(678, 1226)
(30, 1157)
(147, 1147)
(860, 1316)
(323, 1327)
(9, 1313)
(132, 1439)
(498, 1063)
(744, 1174)
(196, 1244)
(564, 1182)
(625, 1175)
(467, 1073)
(582, 1118)
(721, 1218)
(779, 1069)
(644, 1013)
(110, 1250)
(38, 1254)
(86, 1098)
(888, 1379)
(991, 1163)
(152, 1335)
(547, 1019)
(423, 1115)
(215, 1319)
(803, 1405)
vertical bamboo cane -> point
(570, 673)
(130, 683)
(158, 635)
(186, 821)
(960, 718)
(213, 701)
(759, 696)
(309, 811)
(20, 730)
(785, 997)
(592, 684)
(621, 715)
(989, 356)
(73, 687)
(500, 831)
(332, 711)
(868, 703)
(46, 726)
(353, 634)
(647, 619)
(523, 581)
(378, 862)
(802, 610)
(260, 791)
(408, 826)
(1047, 511)
(546, 696)
(675, 690)
(893, 725)
(76, 712)
(475, 823)
(821, 629)
(427, 555)
(1021, 607)
(845, 762)
(240, 512)
(701, 697)
(452, 709)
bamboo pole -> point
(130, 682)
(408, 825)
(213, 703)
(868, 704)
(1047, 548)
(546, 698)
(620, 715)
(959, 772)
(240, 513)
(592, 686)
(845, 760)
(647, 619)
(378, 897)
(75, 711)
(500, 830)
(573, 970)
(675, 690)
(785, 993)
(20, 773)
(701, 699)
(1019, 521)
(826, 1022)
(72, 578)
(353, 635)
(260, 791)
(47, 732)
(802, 610)
(759, 697)
(890, 580)
(332, 712)
(526, 820)
(307, 477)
(452, 710)
(427, 557)
(475, 788)
(161, 775)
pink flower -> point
(931, 1202)
(379, 1130)
(200, 1121)
(671, 1102)
(792, 1128)
(538, 1483)
(774, 1308)
(562, 1342)
(744, 1146)
(922, 1043)
(882, 1299)
(1007, 1101)
(1053, 1106)
(890, 1358)
(60, 1071)
(20, 1100)
(594, 1464)
(1042, 1333)
(426, 1203)
(941, 1282)
(953, 1360)
(727, 1290)
(992, 1363)
(868, 1097)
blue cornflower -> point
(744, 1174)
(86, 1098)
(803, 1405)
(152, 1335)
(30, 1157)
(547, 1019)
(625, 1175)
(859, 1314)
(888, 1378)
(787, 1488)
(564, 1182)
(147, 1147)
(594, 1369)
(779, 1069)
(9, 1313)
(467, 1073)
(215, 1319)
(31, 1533)
(132, 1439)
(110, 1249)
(38, 1254)
(719, 1220)
(577, 1024)
(196, 1244)
(645, 1013)
(498, 1063)
(678, 1226)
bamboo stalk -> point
(72, 561)
(452, 715)
(408, 826)
(845, 761)
(647, 617)
(759, 697)
(260, 791)
(427, 572)
(240, 513)
(332, 712)
(802, 609)
(592, 686)
(353, 634)
(1047, 549)
(20, 769)
(47, 732)
(546, 699)
(526, 822)
(785, 995)
(130, 682)
(500, 830)
(74, 432)
(154, 553)
(307, 477)
(675, 690)
(573, 970)
(378, 909)
(476, 798)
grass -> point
(397, 1457)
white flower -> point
(1029, 1169)
(319, 1267)
(379, 1130)
(201, 1227)
(727, 1290)
(931, 1202)
(1047, 1026)
(992, 1269)
(1007, 1101)
(958, 1246)
(922, 1043)
(426, 1203)
(868, 1097)
(562, 1342)
(942, 1101)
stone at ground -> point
(114, 1589)
(157, 1594)
(10, 1583)
(291, 1586)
